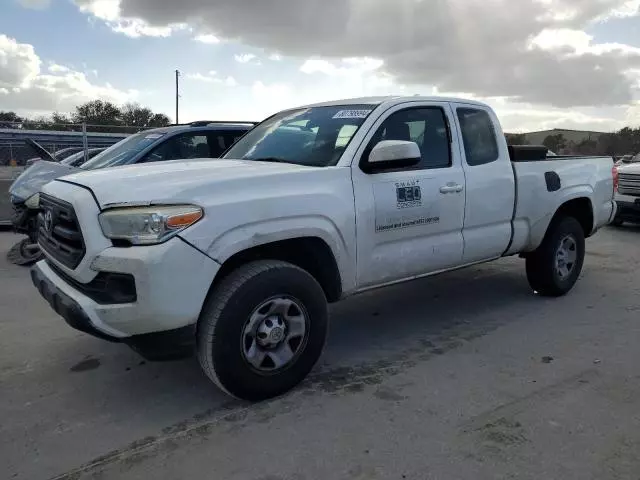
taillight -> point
(614, 175)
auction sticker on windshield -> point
(352, 114)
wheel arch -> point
(311, 253)
(579, 206)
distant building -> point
(571, 136)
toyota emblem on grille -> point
(48, 221)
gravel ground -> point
(463, 376)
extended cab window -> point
(478, 136)
(183, 146)
(425, 126)
(315, 136)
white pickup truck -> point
(240, 256)
(628, 193)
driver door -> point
(409, 220)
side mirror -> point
(394, 154)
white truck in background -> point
(241, 256)
(628, 192)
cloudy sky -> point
(539, 63)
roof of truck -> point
(394, 99)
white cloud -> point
(347, 67)
(275, 57)
(19, 64)
(55, 68)
(25, 87)
(212, 77)
(207, 38)
(35, 4)
(479, 46)
(578, 42)
(109, 11)
(244, 58)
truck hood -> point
(632, 169)
(40, 150)
(32, 179)
(177, 181)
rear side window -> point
(478, 136)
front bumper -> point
(171, 283)
(628, 208)
(64, 305)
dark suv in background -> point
(203, 139)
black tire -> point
(231, 304)
(617, 222)
(542, 273)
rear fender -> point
(539, 228)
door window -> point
(426, 126)
(478, 136)
(221, 142)
(178, 147)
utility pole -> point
(177, 96)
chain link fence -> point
(58, 139)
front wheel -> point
(262, 330)
(554, 268)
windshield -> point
(77, 159)
(123, 151)
(315, 136)
(66, 153)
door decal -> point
(400, 205)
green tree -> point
(10, 120)
(132, 114)
(555, 143)
(516, 139)
(100, 115)
(586, 147)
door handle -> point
(451, 188)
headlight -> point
(148, 225)
(33, 201)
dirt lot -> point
(463, 376)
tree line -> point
(623, 142)
(100, 116)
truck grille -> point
(59, 232)
(629, 184)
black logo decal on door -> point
(408, 194)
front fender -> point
(259, 233)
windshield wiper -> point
(270, 159)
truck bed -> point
(553, 181)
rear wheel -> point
(262, 330)
(554, 268)
(617, 222)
